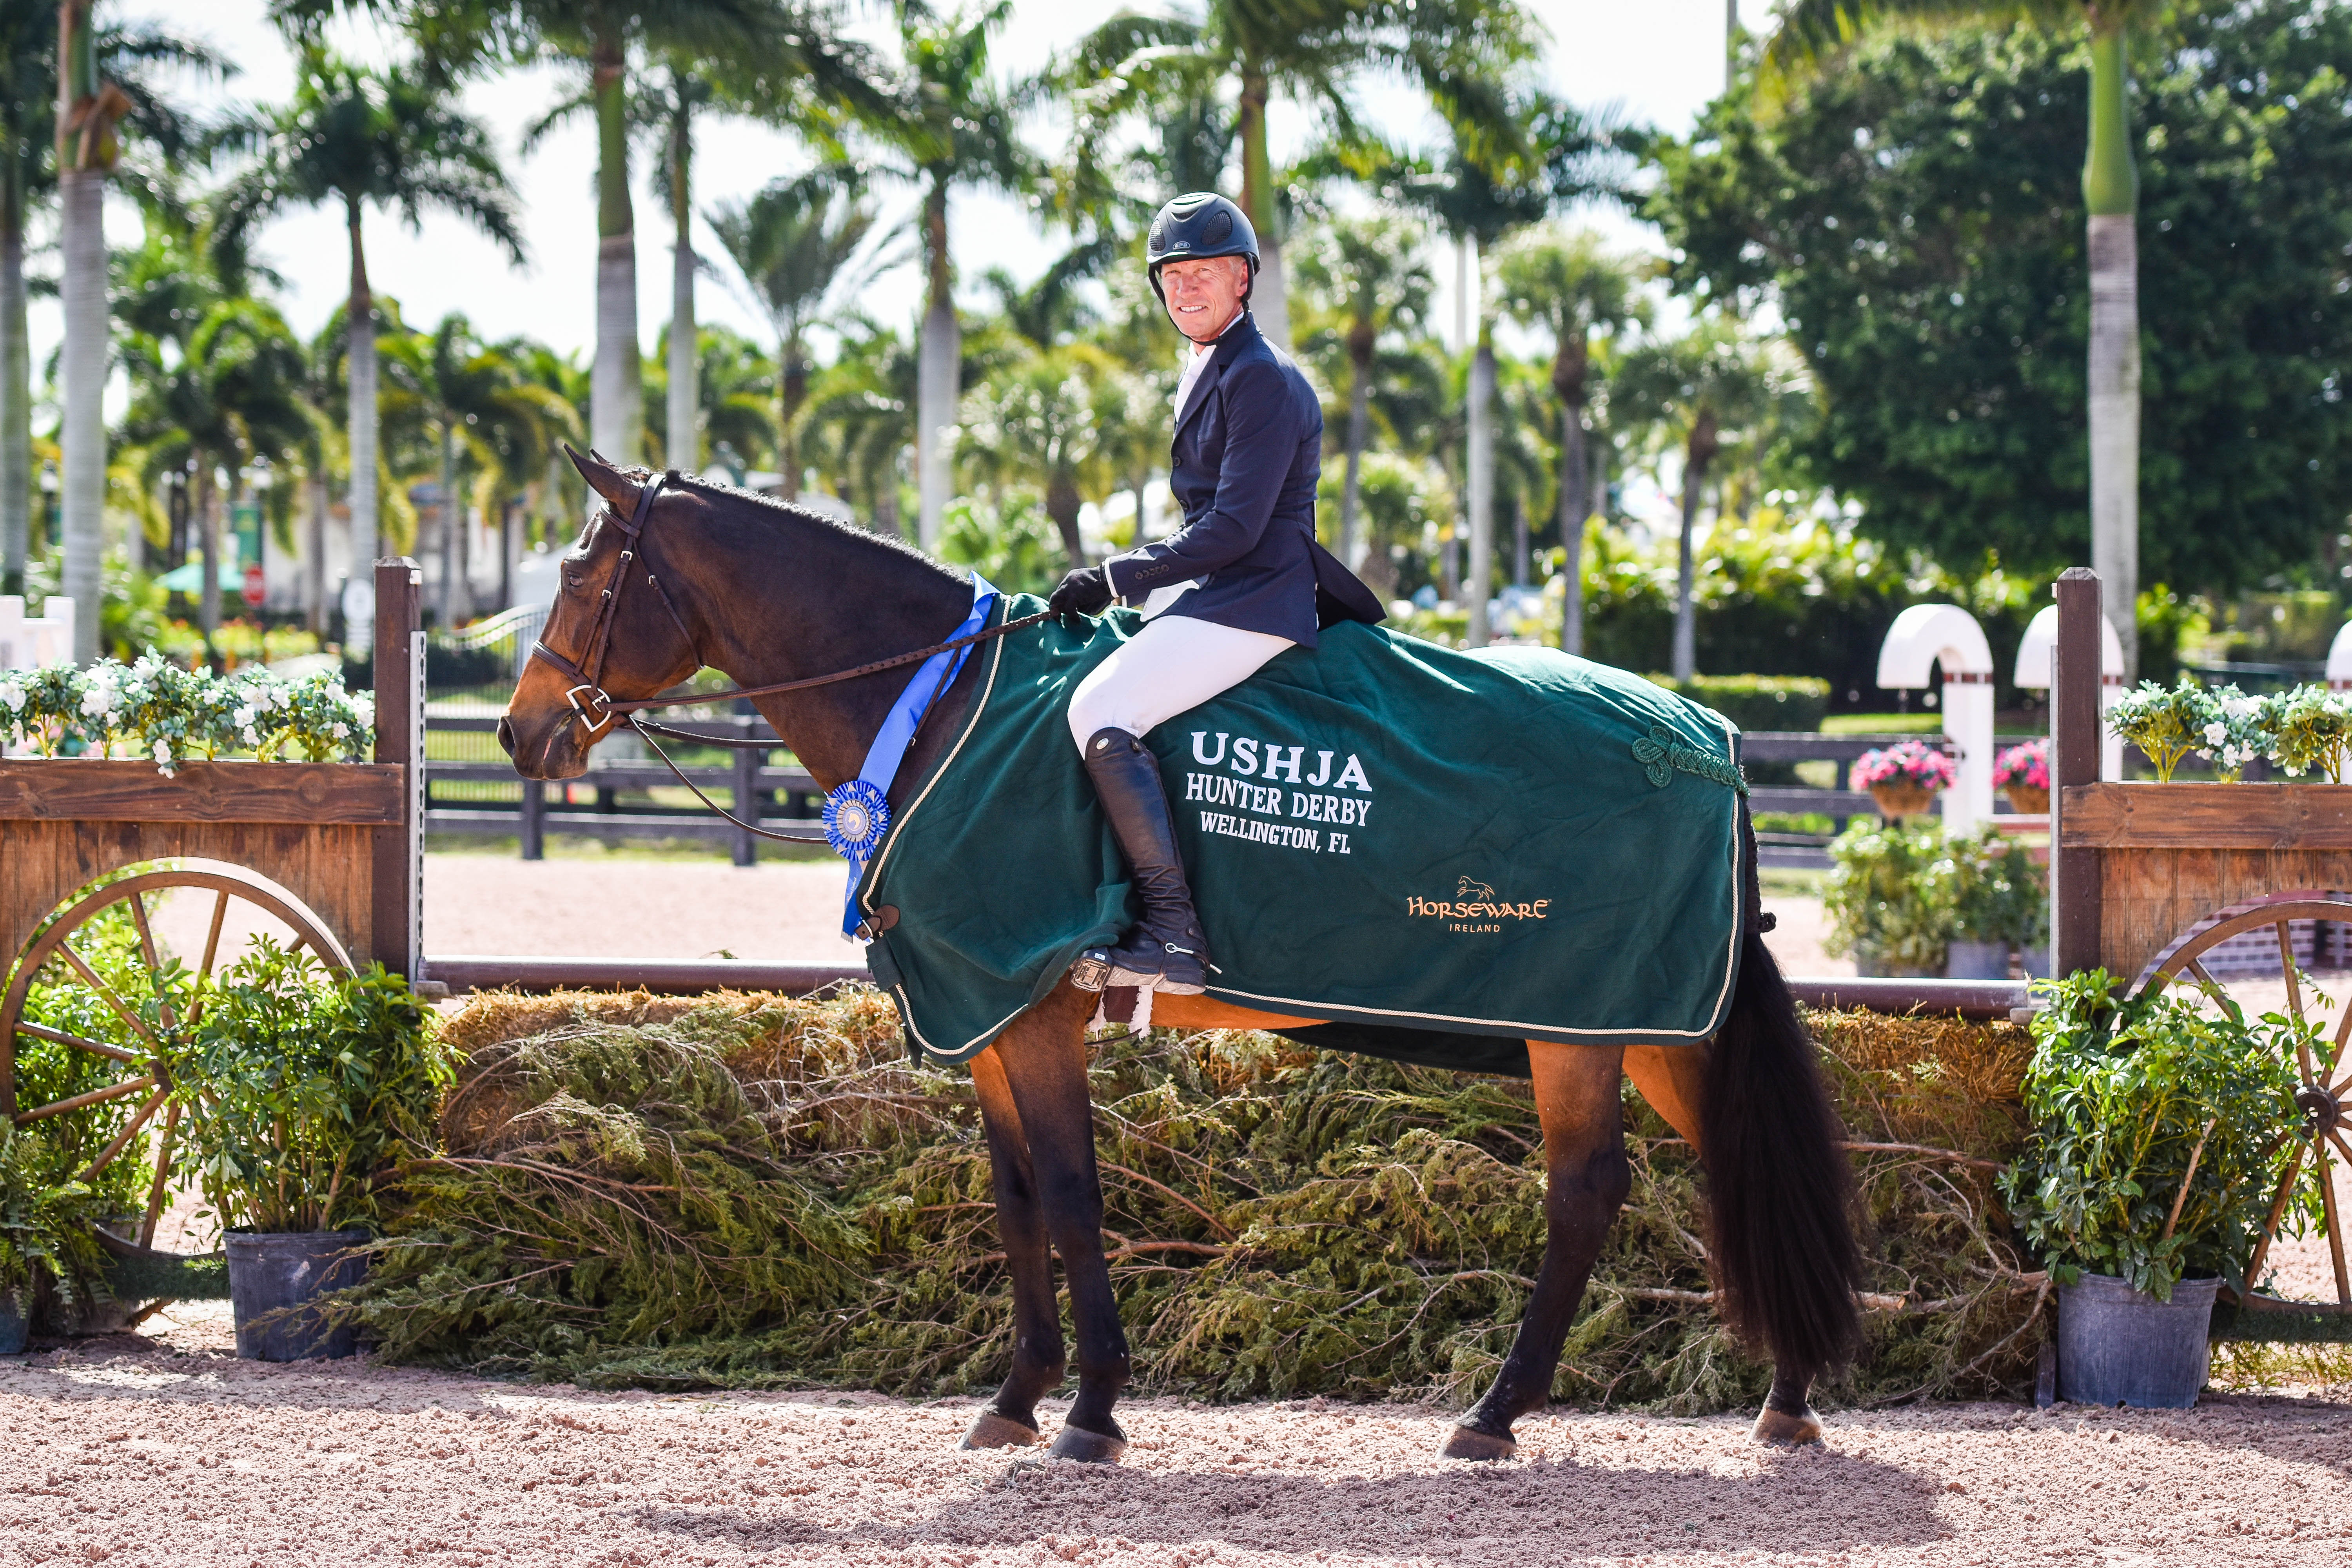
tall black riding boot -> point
(1166, 948)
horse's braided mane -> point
(717, 491)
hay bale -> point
(1280, 1221)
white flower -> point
(162, 753)
(2216, 733)
(340, 731)
(246, 716)
(13, 696)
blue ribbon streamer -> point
(868, 793)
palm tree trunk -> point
(506, 556)
(684, 366)
(617, 392)
(1360, 422)
(314, 553)
(208, 545)
(1269, 297)
(1697, 454)
(1573, 489)
(1480, 461)
(359, 631)
(937, 369)
(1062, 504)
(2111, 194)
(1142, 516)
(16, 383)
(81, 194)
(447, 515)
(792, 391)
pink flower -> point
(2028, 765)
(1912, 761)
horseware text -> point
(1280, 765)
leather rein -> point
(599, 709)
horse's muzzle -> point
(506, 737)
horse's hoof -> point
(1091, 1447)
(1779, 1427)
(1469, 1443)
(990, 1430)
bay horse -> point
(767, 593)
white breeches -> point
(1174, 665)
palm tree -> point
(1574, 287)
(355, 135)
(1812, 29)
(477, 411)
(1045, 418)
(1370, 277)
(1457, 50)
(785, 42)
(861, 417)
(228, 396)
(796, 246)
(735, 400)
(1700, 388)
(98, 84)
(954, 128)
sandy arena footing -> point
(162, 1449)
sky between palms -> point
(1659, 60)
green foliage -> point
(2165, 725)
(1011, 542)
(2307, 729)
(2155, 1141)
(157, 709)
(1757, 702)
(45, 1223)
(760, 1192)
(1916, 214)
(1996, 892)
(299, 1090)
(1880, 899)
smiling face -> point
(1204, 296)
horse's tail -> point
(1780, 1189)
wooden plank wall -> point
(326, 867)
(2150, 896)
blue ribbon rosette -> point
(857, 813)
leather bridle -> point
(591, 679)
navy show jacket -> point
(1247, 453)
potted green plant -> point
(302, 1091)
(47, 1239)
(1999, 900)
(2155, 1142)
(1884, 905)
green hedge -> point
(1759, 701)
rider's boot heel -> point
(1167, 948)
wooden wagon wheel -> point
(2325, 1094)
(138, 1040)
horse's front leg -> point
(1043, 1059)
(1586, 1179)
(1010, 1420)
(1672, 1079)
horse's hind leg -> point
(1044, 1056)
(1672, 1079)
(1010, 1420)
(1585, 1182)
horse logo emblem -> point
(1469, 888)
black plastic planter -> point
(2119, 1346)
(15, 1322)
(273, 1281)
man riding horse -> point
(1242, 581)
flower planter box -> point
(313, 828)
(2171, 854)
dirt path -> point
(164, 1450)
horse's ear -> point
(619, 491)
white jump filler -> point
(1924, 636)
(2040, 648)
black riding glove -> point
(1085, 592)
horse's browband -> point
(604, 710)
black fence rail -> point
(470, 787)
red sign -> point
(256, 587)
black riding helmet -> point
(1193, 228)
